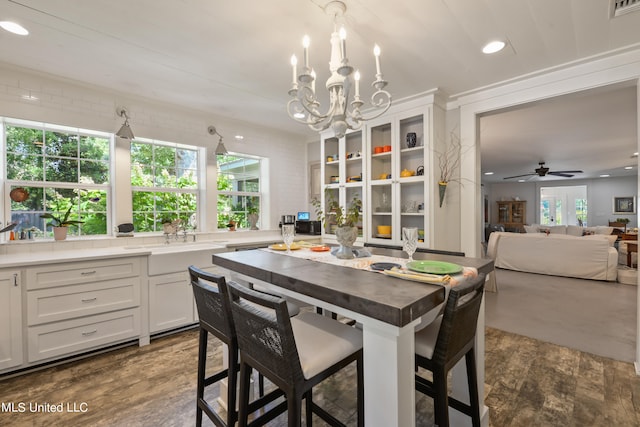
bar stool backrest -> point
(459, 321)
(213, 308)
(265, 336)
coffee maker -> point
(287, 219)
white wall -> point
(600, 193)
(68, 103)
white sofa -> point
(571, 230)
(586, 257)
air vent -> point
(620, 7)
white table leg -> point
(389, 396)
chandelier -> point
(304, 105)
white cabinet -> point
(10, 319)
(171, 302)
(399, 175)
(78, 306)
(343, 173)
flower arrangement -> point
(344, 217)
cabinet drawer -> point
(77, 335)
(68, 302)
(81, 272)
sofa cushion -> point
(575, 230)
(611, 238)
(600, 229)
(558, 229)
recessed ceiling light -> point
(521, 180)
(635, 154)
(493, 47)
(605, 175)
(629, 167)
(14, 28)
(298, 115)
(239, 137)
(488, 173)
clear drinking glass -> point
(409, 240)
(288, 233)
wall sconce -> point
(220, 149)
(125, 131)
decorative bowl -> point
(384, 229)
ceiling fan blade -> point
(520, 176)
(566, 172)
(566, 175)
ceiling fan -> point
(543, 171)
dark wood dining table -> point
(388, 309)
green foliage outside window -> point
(59, 170)
(164, 179)
(238, 189)
(64, 168)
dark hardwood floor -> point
(528, 383)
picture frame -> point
(624, 205)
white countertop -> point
(31, 258)
(39, 258)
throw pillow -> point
(575, 230)
(558, 229)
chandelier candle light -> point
(304, 105)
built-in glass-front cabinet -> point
(398, 158)
(387, 165)
(343, 172)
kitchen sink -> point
(176, 257)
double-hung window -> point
(164, 183)
(55, 169)
(238, 188)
